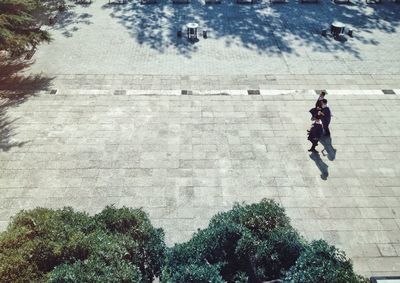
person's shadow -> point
(328, 150)
(320, 164)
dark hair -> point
(324, 101)
(322, 93)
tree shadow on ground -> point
(71, 19)
(15, 89)
(7, 128)
(328, 150)
(265, 28)
(323, 168)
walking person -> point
(315, 133)
(318, 105)
(321, 96)
(326, 116)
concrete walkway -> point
(164, 84)
(184, 158)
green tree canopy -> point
(255, 243)
(19, 29)
(249, 243)
(116, 245)
(321, 262)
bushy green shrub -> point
(148, 247)
(255, 243)
(96, 271)
(320, 262)
(193, 273)
(61, 245)
(250, 242)
(40, 239)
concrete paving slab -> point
(185, 157)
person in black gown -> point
(315, 133)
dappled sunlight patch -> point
(257, 38)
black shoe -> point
(312, 150)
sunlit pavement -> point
(184, 158)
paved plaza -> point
(184, 158)
(258, 39)
(126, 113)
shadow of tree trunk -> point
(15, 88)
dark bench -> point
(52, 20)
(309, 1)
(180, 1)
(277, 1)
(342, 1)
(117, 1)
(246, 1)
(30, 53)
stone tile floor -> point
(243, 39)
(184, 158)
(174, 84)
